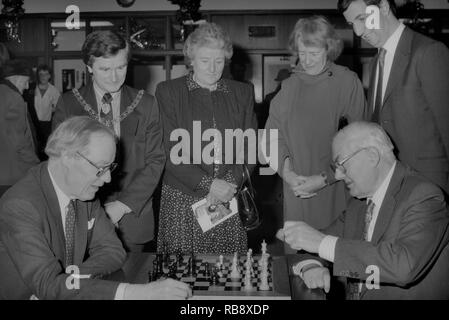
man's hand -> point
(167, 289)
(115, 211)
(317, 277)
(299, 235)
(222, 190)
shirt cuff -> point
(120, 293)
(327, 248)
(297, 269)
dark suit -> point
(409, 244)
(415, 110)
(32, 244)
(140, 155)
(16, 141)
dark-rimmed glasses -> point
(101, 170)
(339, 164)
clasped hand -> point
(221, 191)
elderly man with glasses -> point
(391, 242)
(55, 239)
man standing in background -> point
(134, 117)
(408, 93)
(18, 153)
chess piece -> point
(264, 247)
(248, 286)
(264, 275)
(214, 280)
(235, 273)
(221, 261)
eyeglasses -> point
(101, 170)
(339, 164)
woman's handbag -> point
(249, 215)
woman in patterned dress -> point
(191, 105)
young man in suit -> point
(410, 100)
(134, 117)
(16, 139)
(55, 240)
(391, 242)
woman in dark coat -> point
(307, 111)
(201, 103)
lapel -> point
(372, 85)
(53, 206)
(88, 93)
(387, 209)
(128, 127)
(400, 62)
(80, 231)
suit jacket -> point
(17, 148)
(415, 110)
(409, 243)
(140, 155)
(32, 244)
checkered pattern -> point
(200, 283)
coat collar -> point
(387, 209)
(400, 61)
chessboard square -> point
(202, 283)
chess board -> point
(226, 287)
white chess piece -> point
(247, 280)
(264, 274)
(235, 273)
(264, 247)
(221, 260)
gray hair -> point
(362, 134)
(208, 34)
(316, 31)
(74, 135)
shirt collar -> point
(63, 199)
(100, 93)
(379, 195)
(193, 85)
(392, 42)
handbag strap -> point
(247, 180)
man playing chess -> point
(134, 117)
(394, 232)
(55, 239)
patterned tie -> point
(354, 285)
(106, 110)
(70, 220)
(378, 100)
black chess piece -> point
(215, 278)
(191, 267)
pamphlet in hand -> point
(211, 216)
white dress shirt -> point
(390, 46)
(99, 93)
(45, 104)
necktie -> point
(354, 285)
(70, 220)
(378, 99)
(106, 110)
(368, 218)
